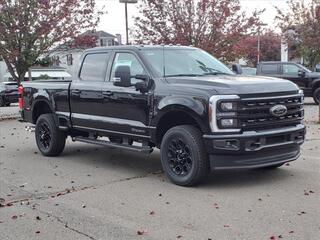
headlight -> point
(223, 113)
(228, 106)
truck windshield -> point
(184, 62)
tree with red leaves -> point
(28, 28)
(270, 48)
(301, 28)
(213, 25)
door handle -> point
(75, 91)
(107, 93)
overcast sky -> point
(114, 21)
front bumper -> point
(255, 149)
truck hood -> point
(235, 84)
(314, 75)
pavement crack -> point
(136, 177)
(65, 223)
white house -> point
(68, 57)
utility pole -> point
(126, 16)
(258, 57)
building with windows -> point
(68, 55)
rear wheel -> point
(50, 140)
(8, 104)
(316, 95)
(2, 102)
(183, 156)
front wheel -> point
(316, 95)
(50, 140)
(183, 156)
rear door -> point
(270, 69)
(86, 99)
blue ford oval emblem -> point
(278, 110)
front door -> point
(291, 72)
(125, 109)
(86, 99)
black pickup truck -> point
(179, 99)
(307, 80)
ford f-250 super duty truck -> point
(181, 100)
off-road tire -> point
(57, 140)
(191, 137)
(316, 95)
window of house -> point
(94, 67)
(269, 69)
(128, 59)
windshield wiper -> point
(184, 75)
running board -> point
(143, 149)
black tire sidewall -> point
(315, 94)
(57, 139)
(195, 149)
(2, 102)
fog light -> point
(228, 122)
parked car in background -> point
(8, 93)
(307, 80)
(249, 71)
(317, 68)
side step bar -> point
(143, 149)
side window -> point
(269, 69)
(127, 59)
(289, 69)
(94, 67)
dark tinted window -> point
(269, 69)
(290, 69)
(94, 67)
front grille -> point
(254, 113)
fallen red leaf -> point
(291, 232)
(37, 232)
(151, 213)
(14, 217)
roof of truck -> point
(139, 47)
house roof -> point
(98, 34)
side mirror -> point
(122, 77)
(237, 69)
(301, 73)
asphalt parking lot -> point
(92, 192)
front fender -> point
(196, 104)
(194, 107)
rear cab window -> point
(94, 67)
(270, 69)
